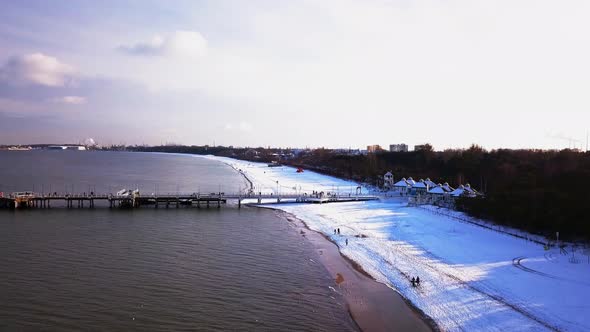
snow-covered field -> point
(473, 278)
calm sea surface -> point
(146, 269)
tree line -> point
(539, 191)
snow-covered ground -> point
(473, 278)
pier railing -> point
(135, 199)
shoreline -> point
(374, 311)
(372, 305)
(355, 265)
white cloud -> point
(72, 100)
(329, 68)
(181, 43)
(36, 68)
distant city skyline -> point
(336, 74)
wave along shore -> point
(473, 279)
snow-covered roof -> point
(410, 181)
(401, 183)
(464, 190)
(430, 183)
(420, 184)
(437, 191)
(388, 174)
(459, 191)
(469, 189)
(447, 187)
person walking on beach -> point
(418, 280)
(346, 241)
(334, 231)
(339, 231)
(413, 282)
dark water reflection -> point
(147, 269)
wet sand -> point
(372, 305)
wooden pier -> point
(70, 201)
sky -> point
(296, 73)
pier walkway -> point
(36, 200)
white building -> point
(388, 180)
(439, 196)
(76, 148)
(398, 147)
(401, 185)
(438, 190)
(419, 187)
(464, 190)
(67, 147)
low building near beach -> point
(438, 190)
(401, 186)
(465, 191)
(459, 191)
(438, 196)
(419, 187)
(67, 147)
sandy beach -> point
(372, 305)
(493, 286)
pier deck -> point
(33, 200)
